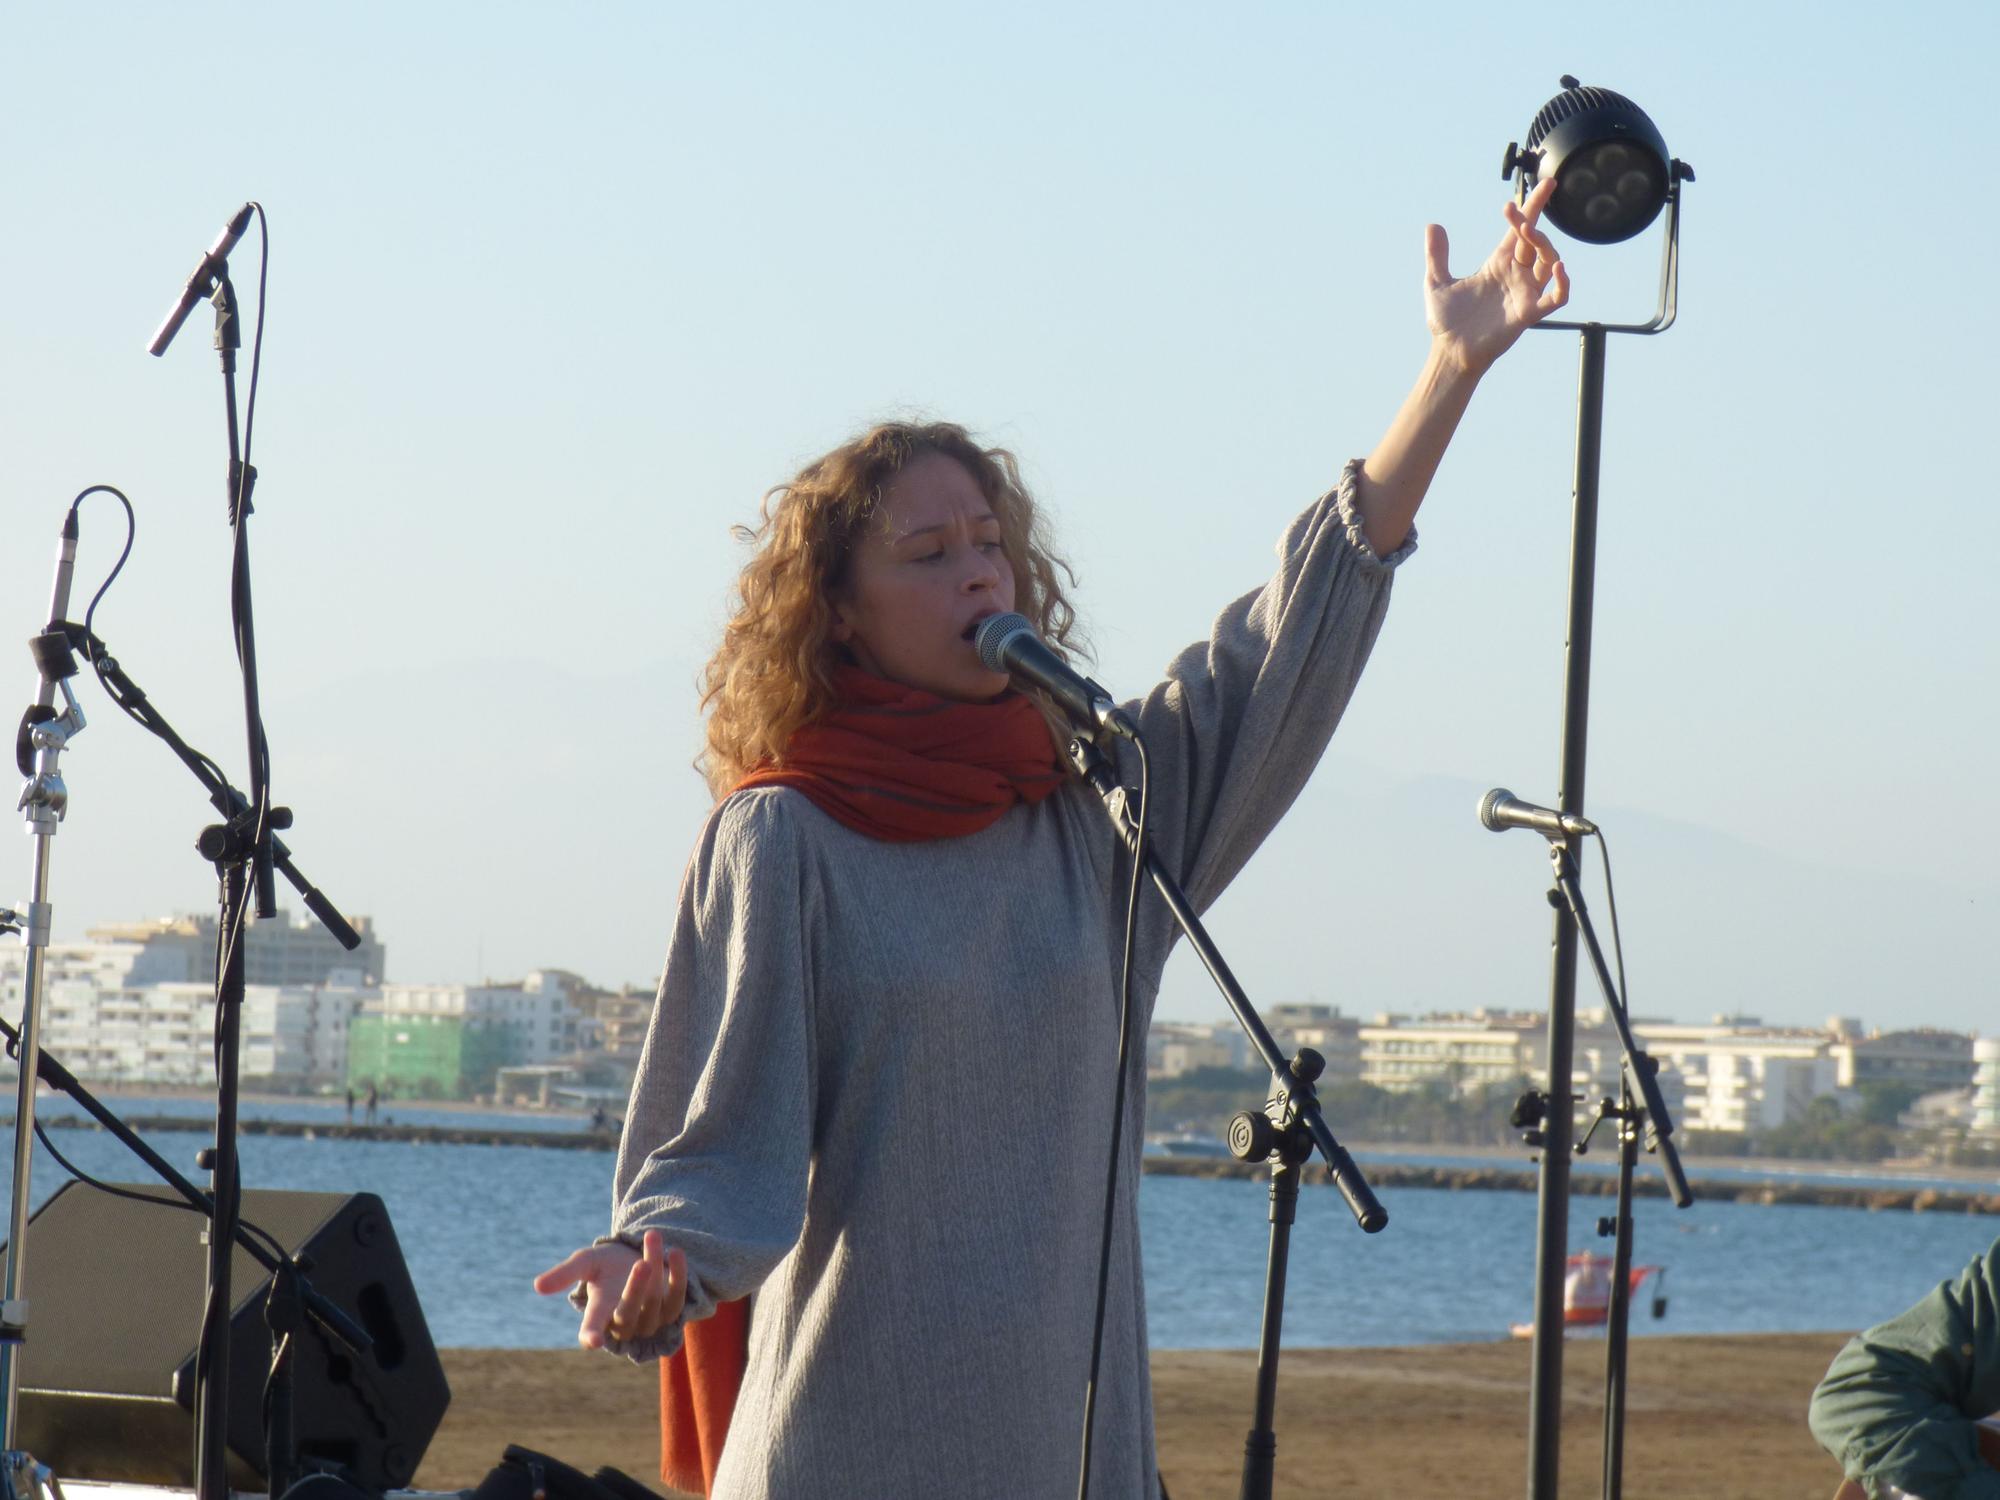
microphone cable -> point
(1611, 905)
(1139, 861)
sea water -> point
(476, 1222)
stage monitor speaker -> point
(115, 1290)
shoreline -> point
(1824, 1190)
(1520, 1158)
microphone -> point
(59, 595)
(1008, 643)
(198, 285)
(50, 649)
(1501, 810)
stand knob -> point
(1251, 1135)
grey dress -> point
(876, 1090)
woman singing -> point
(875, 1094)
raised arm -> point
(1473, 321)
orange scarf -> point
(903, 765)
(900, 765)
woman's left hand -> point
(1476, 320)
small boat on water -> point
(1201, 1146)
(1587, 1293)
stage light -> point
(1612, 176)
(1610, 164)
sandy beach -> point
(1709, 1418)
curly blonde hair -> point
(773, 673)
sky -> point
(556, 293)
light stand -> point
(1618, 177)
(43, 736)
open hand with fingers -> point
(1476, 319)
(628, 1295)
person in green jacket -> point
(1901, 1404)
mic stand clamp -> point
(1297, 1128)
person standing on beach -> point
(1900, 1406)
(872, 1091)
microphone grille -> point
(993, 636)
(1490, 804)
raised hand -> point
(1475, 320)
(627, 1295)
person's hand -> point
(1475, 321)
(630, 1296)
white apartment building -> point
(1174, 1048)
(108, 965)
(1926, 1059)
(1986, 1083)
(1323, 1028)
(1738, 1075)
(285, 950)
(535, 1012)
(1484, 1048)
(164, 1033)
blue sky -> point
(557, 293)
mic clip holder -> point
(43, 736)
(42, 729)
(235, 842)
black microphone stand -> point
(1640, 1070)
(1286, 1133)
(1631, 1127)
(233, 848)
(242, 850)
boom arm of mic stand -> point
(221, 795)
(1636, 1061)
(56, 1076)
(1368, 1212)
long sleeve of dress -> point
(726, 1075)
(1898, 1405)
(1240, 720)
